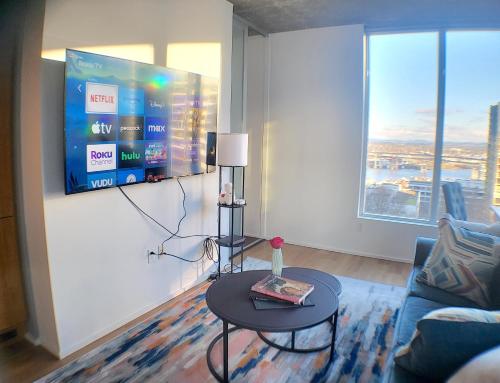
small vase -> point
(277, 266)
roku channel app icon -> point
(101, 157)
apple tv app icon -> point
(101, 127)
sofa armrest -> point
(422, 250)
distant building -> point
(423, 193)
(479, 173)
(493, 164)
(472, 189)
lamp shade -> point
(232, 149)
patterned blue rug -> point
(171, 346)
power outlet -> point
(151, 256)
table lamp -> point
(232, 149)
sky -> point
(403, 85)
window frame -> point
(439, 129)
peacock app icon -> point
(131, 128)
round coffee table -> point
(228, 298)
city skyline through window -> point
(401, 153)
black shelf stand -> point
(232, 241)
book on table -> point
(285, 289)
(266, 302)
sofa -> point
(420, 300)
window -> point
(432, 117)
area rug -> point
(171, 346)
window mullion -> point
(438, 148)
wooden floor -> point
(22, 362)
(369, 269)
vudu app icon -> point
(131, 155)
(101, 127)
(156, 128)
(101, 180)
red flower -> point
(277, 242)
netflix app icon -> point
(101, 98)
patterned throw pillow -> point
(446, 339)
(462, 262)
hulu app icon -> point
(131, 155)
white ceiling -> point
(287, 15)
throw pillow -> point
(446, 339)
(462, 262)
(483, 368)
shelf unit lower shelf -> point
(233, 206)
(238, 241)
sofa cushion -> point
(422, 290)
(413, 309)
(446, 339)
(462, 262)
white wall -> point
(96, 241)
(41, 324)
(255, 123)
(313, 144)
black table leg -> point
(334, 333)
(225, 346)
(293, 340)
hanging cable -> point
(208, 243)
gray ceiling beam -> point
(251, 25)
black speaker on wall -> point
(211, 148)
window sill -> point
(398, 220)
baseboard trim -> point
(67, 351)
(253, 235)
(350, 252)
(34, 340)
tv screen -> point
(127, 122)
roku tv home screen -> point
(128, 122)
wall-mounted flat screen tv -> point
(127, 122)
